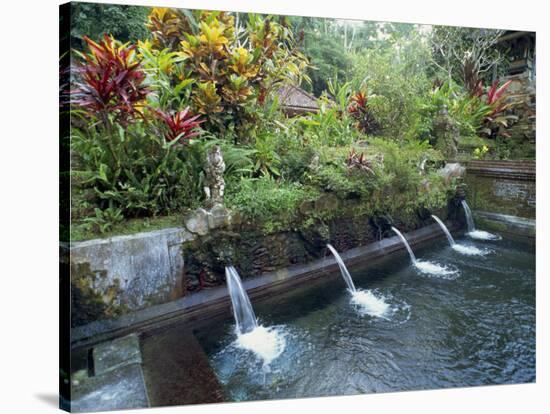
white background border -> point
(29, 204)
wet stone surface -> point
(118, 389)
(115, 354)
(117, 382)
(177, 370)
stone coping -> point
(122, 238)
(210, 303)
(512, 169)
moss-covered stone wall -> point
(255, 252)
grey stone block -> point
(219, 216)
(145, 268)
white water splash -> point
(370, 304)
(435, 269)
(470, 250)
(483, 235)
(266, 342)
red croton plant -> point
(362, 113)
(110, 80)
(359, 161)
(180, 126)
(497, 119)
(495, 96)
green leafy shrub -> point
(483, 113)
(274, 204)
(395, 72)
(135, 171)
(103, 220)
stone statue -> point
(446, 134)
(314, 164)
(214, 168)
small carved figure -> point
(214, 182)
(446, 133)
(314, 163)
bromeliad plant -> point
(110, 83)
(497, 119)
(478, 112)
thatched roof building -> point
(295, 101)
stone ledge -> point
(115, 354)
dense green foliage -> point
(151, 98)
(126, 23)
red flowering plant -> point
(360, 111)
(179, 127)
(110, 81)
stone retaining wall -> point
(201, 306)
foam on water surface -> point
(435, 269)
(267, 343)
(470, 250)
(483, 235)
(369, 303)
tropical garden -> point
(148, 91)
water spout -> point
(425, 266)
(445, 229)
(460, 248)
(365, 300)
(343, 269)
(266, 342)
(245, 319)
(469, 218)
(411, 254)
(472, 232)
